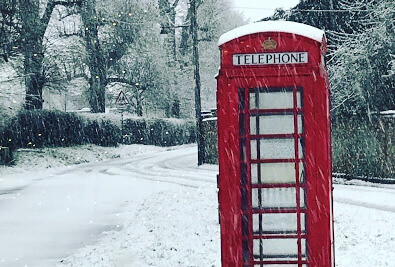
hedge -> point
(43, 128)
(364, 148)
(209, 134)
(159, 132)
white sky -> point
(257, 9)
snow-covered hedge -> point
(210, 140)
(159, 132)
(364, 148)
(36, 129)
(33, 129)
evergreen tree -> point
(361, 69)
(332, 16)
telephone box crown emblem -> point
(269, 44)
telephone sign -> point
(274, 147)
(270, 58)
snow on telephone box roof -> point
(273, 26)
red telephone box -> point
(274, 144)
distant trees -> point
(115, 42)
(328, 15)
(136, 53)
(215, 17)
(361, 51)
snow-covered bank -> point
(28, 160)
(176, 228)
(149, 206)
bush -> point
(45, 129)
(103, 134)
(159, 132)
(363, 148)
(209, 133)
(136, 131)
(42, 128)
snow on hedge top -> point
(273, 26)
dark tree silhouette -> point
(96, 62)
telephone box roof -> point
(273, 26)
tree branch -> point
(49, 9)
(175, 4)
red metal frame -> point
(235, 185)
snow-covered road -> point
(156, 208)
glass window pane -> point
(274, 198)
(277, 100)
(276, 173)
(244, 174)
(254, 149)
(254, 173)
(273, 223)
(279, 248)
(275, 124)
(302, 198)
(300, 124)
(277, 148)
(252, 101)
(282, 248)
(242, 124)
(253, 125)
(278, 124)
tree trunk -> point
(172, 35)
(139, 105)
(139, 109)
(96, 63)
(168, 12)
(32, 33)
(34, 77)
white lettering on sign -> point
(270, 58)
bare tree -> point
(33, 29)
(145, 78)
(96, 62)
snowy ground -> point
(149, 206)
